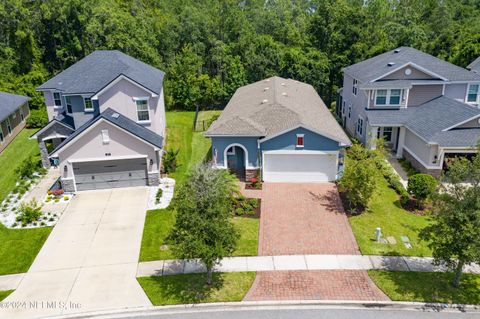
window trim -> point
(68, 103)
(387, 98)
(302, 137)
(468, 93)
(231, 150)
(55, 100)
(359, 128)
(146, 99)
(85, 105)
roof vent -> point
(284, 93)
(397, 51)
(115, 115)
(283, 84)
(267, 80)
(264, 101)
(266, 89)
(391, 63)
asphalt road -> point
(311, 314)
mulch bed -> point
(257, 210)
(250, 186)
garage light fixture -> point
(151, 162)
(65, 168)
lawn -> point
(4, 294)
(158, 224)
(385, 212)
(18, 247)
(191, 288)
(20, 149)
(427, 287)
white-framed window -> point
(68, 103)
(57, 99)
(142, 110)
(360, 126)
(349, 111)
(473, 93)
(386, 97)
(9, 126)
(343, 108)
(354, 86)
(385, 133)
(87, 102)
(105, 137)
(300, 140)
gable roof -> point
(377, 66)
(434, 121)
(100, 68)
(274, 105)
(121, 121)
(9, 103)
(475, 65)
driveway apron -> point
(89, 262)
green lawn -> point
(4, 294)
(385, 212)
(18, 247)
(191, 288)
(159, 223)
(20, 149)
(427, 287)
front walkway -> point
(397, 167)
(90, 260)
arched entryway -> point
(236, 159)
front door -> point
(388, 134)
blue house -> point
(280, 130)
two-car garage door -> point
(110, 174)
(300, 167)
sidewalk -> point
(297, 262)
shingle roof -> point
(98, 69)
(271, 106)
(467, 137)
(121, 121)
(9, 103)
(377, 66)
(475, 65)
(430, 119)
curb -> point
(271, 305)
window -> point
(300, 140)
(105, 137)
(88, 104)
(9, 126)
(395, 97)
(142, 110)
(473, 92)
(56, 99)
(360, 126)
(349, 111)
(1, 136)
(385, 133)
(231, 151)
(343, 108)
(14, 115)
(68, 102)
(381, 97)
(22, 116)
(354, 87)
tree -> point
(454, 235)
(422, 186)
(203, 227)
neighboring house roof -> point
(121, 121)
(269, 107)
(434, 121)
(98, 69)
(9, 103)
(377, 66)
(475, 65)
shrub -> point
(27, 168)
(57, 192)
(422, 186)
(66, 198)
(37, 119)
(170, 161)
(57, 200)
(158, 196)
(29, 212)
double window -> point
(388, 97)
(68, 102)
(360, 126)
(473, 93)
(57, 100)
(355, 87)
(88, 104)
(142, 110)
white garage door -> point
(294, 167)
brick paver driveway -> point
(304, 219)
(300, 219)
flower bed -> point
(55, 196)
(161, 196)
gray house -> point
(13, 114)
(281, 129)
(425, 108)
(106, 122)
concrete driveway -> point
(89, 262)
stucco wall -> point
(420, 94)
(219, 144)
(415, 75)
(80, 116)
(91, 145)
(52, 111)
(120, 98)
(456, 91)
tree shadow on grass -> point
(188, 288)
(429, 287)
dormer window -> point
(300, 140)
(473, 93)
(388, 97)
(88, 104)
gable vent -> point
(391, 63)
(397, 51)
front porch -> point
(393, 136)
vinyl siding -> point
(420, 94)
(358, 102)
(419, 147)
(456, 91)
(415, 75)
(220, 144)
(16, 123)
(471, 124)
(312, 142)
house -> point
(426, 109)
(278, 129)
(13, 114)
(106, 122)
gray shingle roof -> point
(271, 106)
(9, 103)
(121, 121)
(475, 65)
(430, 119)
(468, 137)
(98, 69)
(377, 66)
